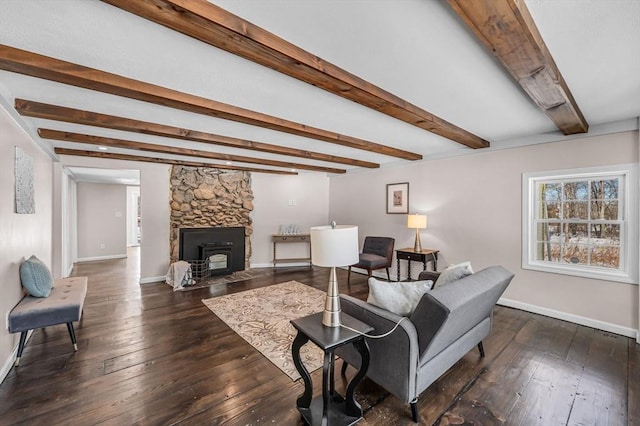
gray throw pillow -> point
(35, 277)
(400, 298)
(454, 273)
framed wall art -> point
(398, 198)
(25, 200)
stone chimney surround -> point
(205, 197)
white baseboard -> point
(280, 264)
(260, 265)
(149, 280)
(8, 364)
(91, 259)
(577, 319)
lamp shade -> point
(418, 221)
(334, 246)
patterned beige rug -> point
(261, 317)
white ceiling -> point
(108, 176)
(416, 49)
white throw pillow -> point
(454, 273)
(398, 297)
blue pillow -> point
(35, 277)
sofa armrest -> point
(429, 275)
(394, 358)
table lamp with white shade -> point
(418, 221)
(331, 246)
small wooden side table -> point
(301, 238)
(424, 256)
(330, 408)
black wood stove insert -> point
(220, 250)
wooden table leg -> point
(398, 268)
(352, 408)
(326, 366)
(304, 400)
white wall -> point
(154, 211)
(133, 194)
(272, 193)
(474, 208)
(309, 195)
(154, 220)
(102, 215)
(21, 235)
(638, 218)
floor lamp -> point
(331, 246)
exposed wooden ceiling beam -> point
(213, 25)
(40, 66)
(507, 29)
(148, 147)
(89, 118)
(70, 115)
(145, 159)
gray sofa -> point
(447, 323)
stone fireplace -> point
(206, 199)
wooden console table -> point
(301, 238)
(424, 256)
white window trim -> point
(629, 271)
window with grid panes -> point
(577, 223)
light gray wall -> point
(473, 205)
(309, 191)
(102, 211)
(466, 220)
(302, 200)
(154, 211)
(21, 235)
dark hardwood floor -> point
(150, 356)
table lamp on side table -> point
(418, 221)
(334, 245)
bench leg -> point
(414, 410)
(73, 335)
(23, 340)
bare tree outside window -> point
(578, 221)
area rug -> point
(261, 317)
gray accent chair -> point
(377, 253)
(447, 323)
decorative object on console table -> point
(398, 198)
(417, 221)
(300, 238)
(424, 256)
(334, 245)
(330, 408)
(292, 229)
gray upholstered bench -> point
(64, 305)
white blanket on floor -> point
(179, 275)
